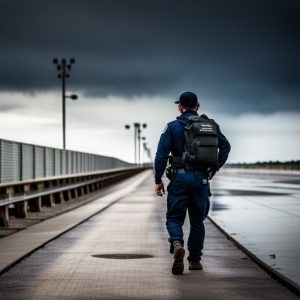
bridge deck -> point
(70, 266)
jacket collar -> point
(187, 114)
(183, 118)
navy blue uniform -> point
(189, 189)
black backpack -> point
(201, 143)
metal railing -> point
(22, 161)
(54, 190)
(17, 199)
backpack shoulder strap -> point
(187, 127)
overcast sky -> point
(133, 58)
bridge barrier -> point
(18, 199)
(21, 161)
(33, 177)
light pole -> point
(144, 150)
(144, 126)
(63, 68)
(148, 153)
(142, 138)
(136, 134)
(128, 127)
(137, 140)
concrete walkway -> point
(99, 259)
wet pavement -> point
(123, 253)
(262, 212)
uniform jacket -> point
(172, 141)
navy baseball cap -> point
(187, 99)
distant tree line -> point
(277, 165)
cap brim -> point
(176, 102)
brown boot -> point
(179, 252)
(195, 265)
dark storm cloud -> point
(240, 55)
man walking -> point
(198, 150)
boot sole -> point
(178, 266)
(195, 266)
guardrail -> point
(19, 198)
(22, 161)
(33, 176)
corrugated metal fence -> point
(20, 161)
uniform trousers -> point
(188, 191)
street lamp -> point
(72, 97)
(127, 126)
(63, 67)
(144, 147)
(148, 152)
(137, 140)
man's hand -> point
(159, 189)
(211, 174)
